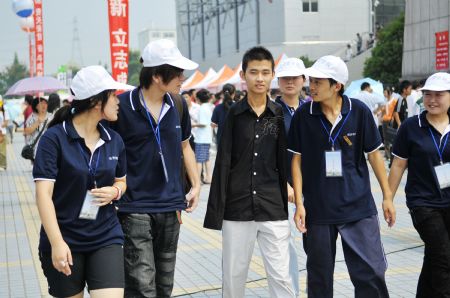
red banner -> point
(118, 38)
(442, 50)
(39, 38)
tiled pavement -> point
(198, 272)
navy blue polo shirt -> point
(414, 143)
(218, 117)
(147, 189)
(335, 200)
(288, 114)
(62, 157)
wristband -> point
(119, 192)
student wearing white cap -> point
(79, 171)
(421, 146)
(291, 77)
(329, 138)
(155, 125)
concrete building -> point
(150, 34)
(423, 19)
(214, 33)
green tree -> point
(385, 64)
(16, 71)
(134, 67)
(306, 61)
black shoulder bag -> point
(28, 150)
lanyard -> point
(330, 137)
(440, 151)
(92, 171)
(157, 133)
(292, 112)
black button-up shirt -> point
(249, 181)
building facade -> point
(150, 34)
(427, 23)
(218, 32)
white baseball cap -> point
(329, 67)
(164, 51)
(439, 81)
(92, 80)
(290, 67)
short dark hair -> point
(364, 86)
(36, 101)
(29, 99)
(334, 82)
(166, 72)
(258, 54)
(203, 95)
(404, 85)
(415, 84)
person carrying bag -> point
(28, 149)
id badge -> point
(333, 163)
(89, 210)
(443, 175)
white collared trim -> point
(292, 151)
(446, 131)
(131, 100)
(64, 127)
(109, 136)
(121, 177)
(187, 138)
(100, 143)
(420, 121)
(310, 107)
(44, 179)
(171, 100)
(402, 158)
(379, 146)
(164, 111)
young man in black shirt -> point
(248, 196)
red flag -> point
(118, 38)
(39, 38)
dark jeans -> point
(149, 253)
(433, 226)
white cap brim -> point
(288, 73)
(183, 63)
(112, 85)
(434, 88)
(312, 72)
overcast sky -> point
(92, 18)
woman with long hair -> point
(79, 170)
(221, 110)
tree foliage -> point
(134, 67)
(385, 64)
(306, 61)
(16, 71)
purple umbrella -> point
(35, 85)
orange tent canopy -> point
(225, 75)
(193, 80)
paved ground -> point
(198, 272)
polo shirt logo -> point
(113, 158)
(351, 134)
(177, 127)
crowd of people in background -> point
(114, 173)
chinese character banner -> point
(118, 38)
(39, 38)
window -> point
(168, 34)
(310, 5)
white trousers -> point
(238, 241)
